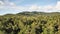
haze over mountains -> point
(33, 13)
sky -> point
(16, 6)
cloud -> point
(47, 8)
(13, 8)
(6, 3)
(1, 3)
(58, 5)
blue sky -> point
(38, 2)
(15, 6)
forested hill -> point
(36, 13)
(39, 13)
(30, 23)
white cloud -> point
(10, 6)
(48, 8)
(1, 3)
(58, 6)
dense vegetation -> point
(30, 23)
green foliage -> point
(30, 23)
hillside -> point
(30, 23)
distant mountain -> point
(35, 13)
